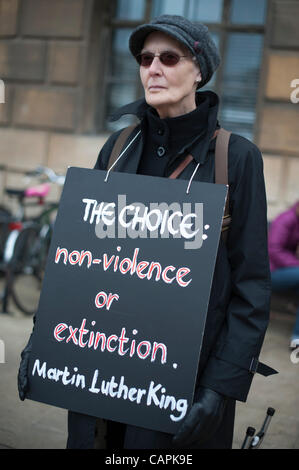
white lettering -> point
(40, 370)
(294, 97)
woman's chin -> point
(156, 99)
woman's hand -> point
(23, 370)
(202, 421)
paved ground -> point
(28, 425)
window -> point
(130, 10)
(122, 87)
(204, 11)
(244, 12)
(240, 82)
(237, 27)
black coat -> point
(238, 311)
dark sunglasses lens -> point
(169, 58)
(145, 59)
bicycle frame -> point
(42, 225)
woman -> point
(284, 257)
(177, 57)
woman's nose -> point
(155, 67)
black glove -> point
(202, 420)
(23, 369)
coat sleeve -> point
(279, 234)
(242, 334)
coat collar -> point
(137, 108)
(199, 146)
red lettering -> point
(77, 257)
(111, 297)
(97, 299)
(132, 349)
(122, 339)
(116, 263)
(91, 338)
(107, 263)
(144, 355)
(152, 267)
(72, 335)
(121, 266)
(161, 346)
(83, 255)
(99, 336)
(111, 338)
(140, 267)
(82, 332)
(134, 262)
(60, 251)
(182, 272)
(59, 329)
(164, 276)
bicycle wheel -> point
(27, 266)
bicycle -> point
(26, 247)
(5, 217)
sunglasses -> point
(170, 59)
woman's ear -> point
(198, 75)
(198, 78)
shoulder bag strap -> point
(119, 143)
(221, 172)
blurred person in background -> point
(284, 257)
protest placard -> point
(122, 311)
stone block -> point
(273, 172)
(292, 185)
(2, 186)
(284, 27)
(279, 128)
(61, 18)
(282, 70)
(36, 107)
(74, 150)
(5, 107)
(23, 60)
(8, 17)
(64, 62)
(273, 210)
(23, 149)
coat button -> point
(160, 131)
(161, 151)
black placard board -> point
(122, 310)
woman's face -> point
(170, 90)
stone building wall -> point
(44, 47)
(279, 117)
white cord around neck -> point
(193, 174)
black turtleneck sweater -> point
(165, 139)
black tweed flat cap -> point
(195, 36)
